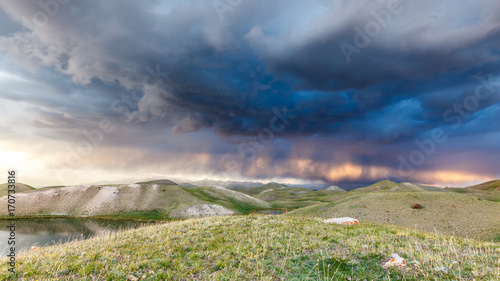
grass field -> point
(444, 212)
(493, 185)
(390, 186)
(288, 198)
(294, 246)
(478, 193)
(259, 247)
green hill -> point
(273, 191)
(312, 198)
(285, 197)
(20, 187)
(445, 212)
(478, 193)
(265, 188)
(260, 248)
(136, 201)
(280, 195)
(493, 185)
(228, 198)
(390, 186)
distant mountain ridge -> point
(226, 184)
(160, 182)
(232, 184)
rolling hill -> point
(444, 212)
(140, 201)
(281, 196)
(229, 198)
(390, 186)
(493, 185)
(294, 245)
(286, 197)
(273, 190)
(478, 193)
(20, 187)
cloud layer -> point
(334, 91)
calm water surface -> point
(44, 232)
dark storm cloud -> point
(378, 72)
(231, 74)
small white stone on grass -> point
(396, 260)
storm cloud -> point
(326, 91)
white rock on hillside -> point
(334, 188)
(202, 210)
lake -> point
(44, 232)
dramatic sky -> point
(319, 91)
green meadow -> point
(455, 236)
(260, 247)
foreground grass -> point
(261, 247)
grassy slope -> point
(481, 194)
(230, 199)
(444, 212)
(282, 196)
(390, 186)
(260, 248)
(285, 197)
(309, 199)
(276, 189)
(493, 185)
(20, 187)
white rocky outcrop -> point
(202, 210)
(334, 188)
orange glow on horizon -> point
(447, 177)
